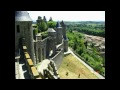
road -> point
(90, 68)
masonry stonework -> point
(23, 29)
(51, 47)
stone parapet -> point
(29, 63)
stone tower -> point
(64, 29)
(64, 37)
(51, 40)
(23, 29)
(59, 33)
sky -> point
(69, 15)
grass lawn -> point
(74, 67)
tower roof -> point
(51, 30)
(58, 25)
(22, 16)
(62, 23)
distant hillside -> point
(85, 22)
(96, 28)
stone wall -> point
(59, 35)
(20, 34)
(60, 46)
(58, 58)
(33, 70)
(29, 63)
(25, 31)
(65, 45)
(40, 46)
(47, 69)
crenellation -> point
(36, 49)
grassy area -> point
(74, 67)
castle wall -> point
(26, 32)
(60, 46)
(29, 39)
(29, 63)
(40, 50)
(58, 58)
(20, 34)
(65, 45)
(64, 31)
(52, 41)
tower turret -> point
(23, 29)
(59, 33)
(64, 37)
(51, 40)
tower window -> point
(18, 28)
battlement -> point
(45, 72)
(51, 46)
(29, 63)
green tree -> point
(51, 24)
(85, 44)
(71, 43)
(43, 26)
(75, 46)
(39, 20)
(97, 66)
(71, 31)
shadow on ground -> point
(24, 68)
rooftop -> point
(22, 16)
(58, 25)
(51, 30)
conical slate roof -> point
(62, 23)
(22, 16)
(51, 30)
(58, 25)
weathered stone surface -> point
(43, 66)
(34, 71)
(36, 51)
(30, 62)
(27, 56)
(65, 45)
(58, 58)
(22, 19)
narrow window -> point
(18, 29)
